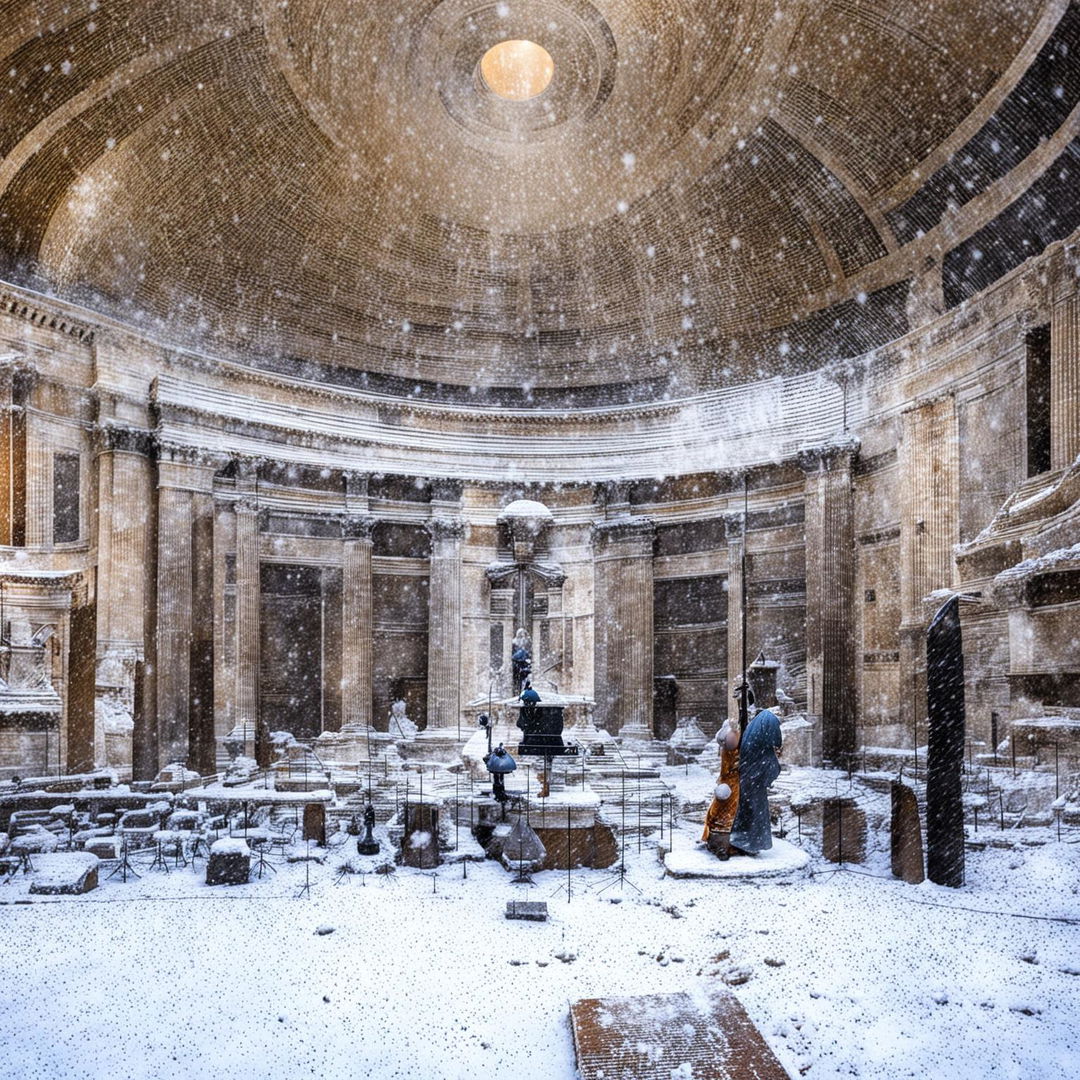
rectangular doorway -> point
(291, 649)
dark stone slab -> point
(906, 835)
(528, 910)
(843, 831)
(945, 747)
(315, 823)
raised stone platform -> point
(698, 862)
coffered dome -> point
(705, 192)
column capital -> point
(445, 528)
(358, 527)
(445, 490)
(623, 530)
(110, 437)
(1063, 271)
(246, 505)
(815, 459)
(734, 528)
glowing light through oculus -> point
(517, 70)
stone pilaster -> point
(930, 470)
(623, 625)
(830, 600)
(357, 619)
(1065, 361)
(735, 533)
(444, 628)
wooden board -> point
(706, 1035)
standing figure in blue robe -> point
(758, 768)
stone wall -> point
(194, 477)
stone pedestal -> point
(420, 841)
(229, 862)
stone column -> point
(224, 571)
(246, 653)
(1065, 359)
(39, 484)
(830, 600)
(357, 617)
(735, 532)
(16, 382)
(185, 483)
(173, 614)
(623, 625)
(444, 627)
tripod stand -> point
(619, 876)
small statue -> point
(400, 725)
(499, 763)
(520, 659)
(368, 845)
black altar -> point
(542, 726)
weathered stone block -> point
(65, 873)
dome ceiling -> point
(333, 182)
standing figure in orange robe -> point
(725, 802)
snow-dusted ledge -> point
(236, 410)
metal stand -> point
(159, 862)
(569, 861)
(305, 889)
(262, 862)
(619, 877)
(124, 867)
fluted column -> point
(173, 622)
(357, 616)
(246, 652)
(444, 627)
(830, 600)
(39, 488)
(623, 625)
(124, 489)
(735, 531)
(1065, 362)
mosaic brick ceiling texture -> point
(707, 191)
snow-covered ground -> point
(418, 974)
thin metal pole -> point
(569, 860)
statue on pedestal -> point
(368, 845)
(520, 659)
